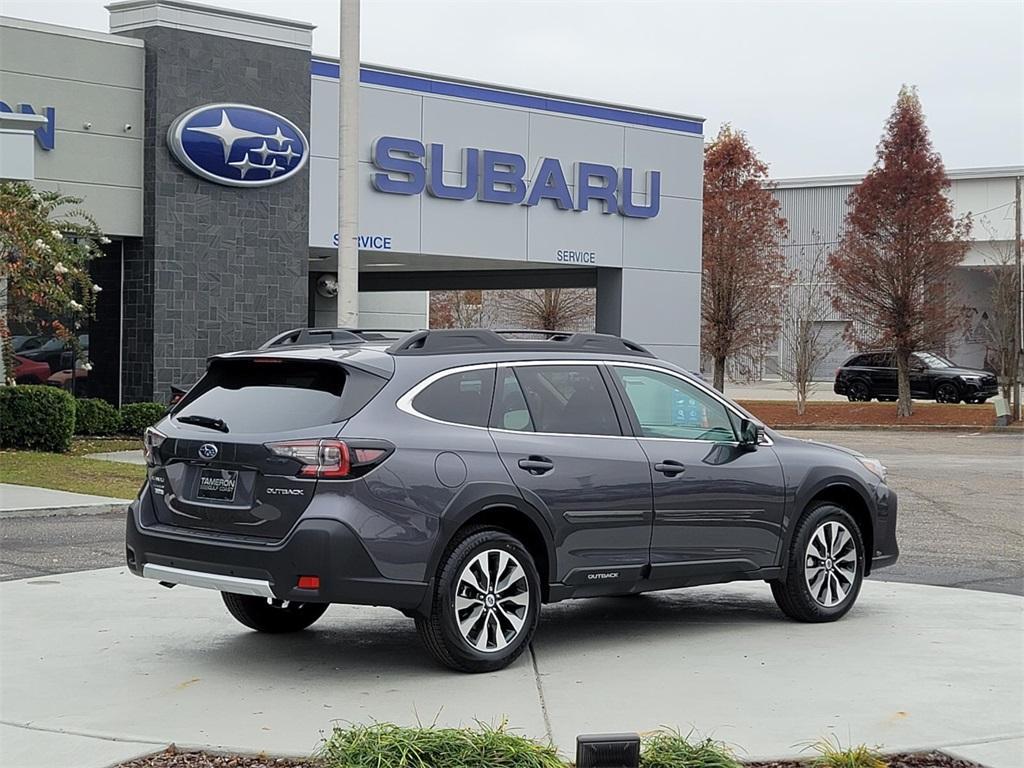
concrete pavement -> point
(29, 501)
(103, 655)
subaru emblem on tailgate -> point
(238, 145)
(208, 451)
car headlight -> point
(874, 466)
(972, 379)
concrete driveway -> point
(101, 665)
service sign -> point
(238, 145)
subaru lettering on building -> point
(238, 145)
(407, 167)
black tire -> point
(273, 617)
(947, 392)
(793, 594)
(858, 391)
(440, 630)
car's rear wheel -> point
(272, 616)
(486, 603)
(825, 566)
(858, 391)
(947, 392)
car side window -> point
(666, 406)
(568, 399)
(459, 398)
(510, 410)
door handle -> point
(670, 468)
(537, 465)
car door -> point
(922, 377)
(559, 436)
(885, 375)
(718, 507)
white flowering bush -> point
(46, 244)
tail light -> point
(333, 459)
(152, 439)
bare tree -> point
(999, 330)
(456, 309)
(547, 309)
(806, 307)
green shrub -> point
(36, 416)
(96, 418)
(380, 744)
(135, 417)
(832, 754)
(670, 749)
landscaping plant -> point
(900, 245)
(483, 746)
(670, 749)
(36, 417)
(832, 754)
(135, 417)
(46, 244)
(96, 418)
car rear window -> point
(277, 395)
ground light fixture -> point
(608, 750)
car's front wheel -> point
(272, 616)
(947, 392)
(825, 566)
(486, 603)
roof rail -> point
(468, 340)
(300, 336)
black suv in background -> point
(465, 477)
(932, 377)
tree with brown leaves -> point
(745, 273)
(900, 245)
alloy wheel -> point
(492, 600)
(830, 564)
(947, 393)
(859, 391)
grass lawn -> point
(73, 472)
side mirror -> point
(750, 433)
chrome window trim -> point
(404, 403)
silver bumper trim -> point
(233, 584)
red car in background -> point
(28, 371)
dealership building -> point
(205, 142)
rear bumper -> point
(315, 547)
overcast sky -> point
(810, 82)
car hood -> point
(958, 371)
(832, 446)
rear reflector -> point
(309, 582)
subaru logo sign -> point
(238, 145)
(208, 451)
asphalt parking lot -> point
(961, 520)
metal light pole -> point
(1019, 341)
(348, 167)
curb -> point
(899, 428)
(114, 506)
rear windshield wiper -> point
(204, 421)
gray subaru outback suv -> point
(465, 477)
